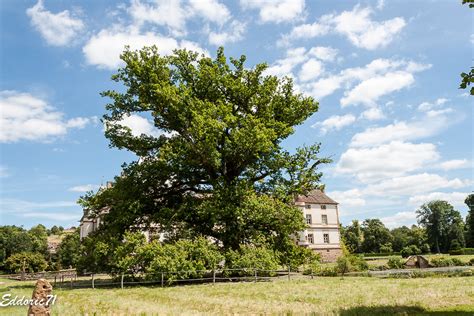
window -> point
(308, 206)
(323, 207)
(310, 238)
(309, 220)
(326, 238)
(324, 219)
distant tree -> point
(401, 238)
(375, 235)
(69, 250)
(343, 265)
(443, 224)
(26, 262)
(470, 220)
(55, 230)
(352, 236)
(13, 240)
(39, 238)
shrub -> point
(458, 262)
(343, 265)
(471, 262)
(386, 248)
(425, 248)
(468, 251)
(326, 271)
(249, 258)
(182, 260)
(410, 251)
(29, 261)
(442, 262)
(358, 263)
(395, 263)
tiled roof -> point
(316, 196)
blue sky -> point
(386, 74)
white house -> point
(322, 219)
(319, 210)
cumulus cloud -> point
(234, 33)
(84, 188)
(407, 218)
(349, 198)
(276, 11)
(310, 70)
(58, 29)
(426, 106)
(104, 48)
(26, 117)
(356, 25)
(211, 10)
(414, 184)
(372, 114)
(387, 160)
(454, 198)
(335, 122)
(366, 85)
(139, 125)
(324, 53)
(455, 164)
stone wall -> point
(329, 255)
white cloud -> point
(60, 29)
(454, 198)
(367, 84)
(373, 114)
(169, 13)
(388, 160)
(334, 122)
(211, 10)
(104, 48)
(369, 91)
(84, 188)
(139, 125)
(455, 164)
(233, 34)
(401, 131)
(356, 25)
(56, 216)
(426, 106)
(349, 198)
(26, 117)
(399, 219)
(324, 53)
(414, 184)
(276, 10)
(284, 67)
(8, 205)
(310, 70)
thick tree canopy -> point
(218, 168)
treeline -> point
(27, 250)
(441, 229)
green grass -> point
(376, 261)
(348, 296)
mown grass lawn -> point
(323, 295)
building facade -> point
(322, 219)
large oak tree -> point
(218, 168)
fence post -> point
(55, 280)
(93, 285)
(289, 270)
(214, 276)
(121, 281)
(162, 279)
(312, 275)
(255, 275)
(71, 281)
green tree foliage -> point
(376, 235)
(343, 265)
(468, 78)
(69, 250)
(405, 236)
(26, 262)
(39, 238)
(218, 168)
(443, 225)
(13, 240)
(410, 251)
(352, 236)
(395, 262)
(469, 201)
(250, 257)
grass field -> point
(379, 261)
(348, 296)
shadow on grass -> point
(396, 310)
